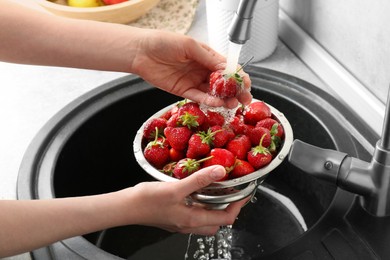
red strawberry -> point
(240, 110)
(178, 136)
(271, 124)
(157, 152)
(168, 168)
(111, 2)
(225, 85)
(239, 146)
(215, 118)
(259, 156)
(220, 156)
(199, 144)
(174, 109)
(256, 133)
(176, 155)
(221, 135)
(173, 121)
(187, 166)
(153, 125)
(191, 115)
(238, 126)
(255, 112)
(241, 168)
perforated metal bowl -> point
(220, 194)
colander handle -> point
(222, 201)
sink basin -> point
(87, 149)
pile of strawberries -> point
(185, 139)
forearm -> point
(26, 225)
(32, 37)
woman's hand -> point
(180, 65)
(163, 204)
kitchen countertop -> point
(31, 95)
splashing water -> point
(228, 114)
(212, 247)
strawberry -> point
(168, 168)
(157, 152)
(255, 112)
(239, 146)
(256, 133)
(214, 118)
(220, 156)
(173, 120)
(176, 155)
(241, 168)
(221, 135)
(199, 144)
(178, 136)
(259, 156)
(153, 125)
(238, 126)
(187, 166)
(225, 85)
(271, 124)
(112, 2)
(191, 115)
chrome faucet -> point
(370, 180)
(240, 28)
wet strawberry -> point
(241, 168)
(156, 152)
(178, 136)
(271, 124)
(222, 157)
(168, 168)
(239, 146)
(187, 166)
(256, 111)
(153, 125)
(176, 155)
(225, 85)
(238, 125)
(256, 133)
(221, 135)
(173, 121)
(259, 156)
(199, 144)
(214, 118)
(191, 115)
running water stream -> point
(219, 245)
(232, 57)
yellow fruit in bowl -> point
(85, 3)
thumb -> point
(201, 179)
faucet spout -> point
(370, 180)
(241, 26)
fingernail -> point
(218, 173)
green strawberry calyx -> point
(189, 120)
(208, 137)
(260, 149)
(192, 165)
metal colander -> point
(219, 194)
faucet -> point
(240, 28)
(370, 180)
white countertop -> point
(31, 95)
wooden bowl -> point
(124, 12)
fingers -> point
(200, 179)
(205, 222)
